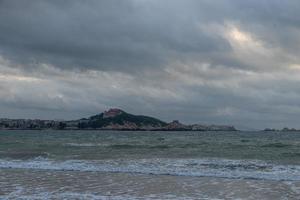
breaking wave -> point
(223, 168)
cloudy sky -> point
(199, 61)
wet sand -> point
(50, 184)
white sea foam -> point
(82, 144)
(244, 169)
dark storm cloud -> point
(101, 34)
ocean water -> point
(149, 165)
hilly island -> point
(113, 119)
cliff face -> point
(112, 113)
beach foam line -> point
(222, 168)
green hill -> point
(118, 119)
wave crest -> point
(223, 168)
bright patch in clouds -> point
(245, 42)
(294, 67)
(240, 36)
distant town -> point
(113, 119)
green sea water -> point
(277, 147)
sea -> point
(87, 164)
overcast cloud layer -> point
(200, 61)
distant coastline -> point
(281, 130)
(113, 119)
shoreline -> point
(133, 130)
(83, 185)
(144, 130)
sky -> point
(198, 61)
